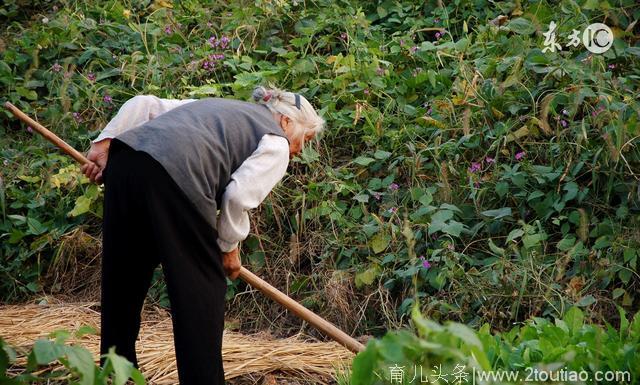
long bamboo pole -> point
(315, 320)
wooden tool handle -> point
(50, 136)
(315, 320)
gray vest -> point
(200, 144)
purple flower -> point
(565, 112)
(429, 111)
(475, 167)
(366, 91)
(380, 71)
(29, 129)
(167, 29)
(401, 42)
(77, 117)
(564, 123)
(394, 187)
(476, 184)
(393, 210)
(209, 24)
(520, 155)
(414, 49)
(56, 67)
(224, 42)
(425, 264)
(107, 99)
(344, 36)
(611, 66)
(67, 75)
(436, 20)
(213, 42)
(91, 76)
(489, 160)
(377, 196)
(438, 34)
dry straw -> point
(21, 325)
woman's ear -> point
(286, 123)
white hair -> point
(305, 119)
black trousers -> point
(149, 221)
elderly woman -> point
(172, 165)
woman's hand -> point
(231, 263)
(98, 154)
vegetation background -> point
(465, 174)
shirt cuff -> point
(225, 246)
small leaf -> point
(517, 233)
(586, 301)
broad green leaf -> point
(521, 26)
(574, 318)
(82, 361)
(363, 160)
(122, 368)
(498, 213)
(46, 351)
(82, 206)
(379, 242)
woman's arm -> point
(249, 185)
(134, 112)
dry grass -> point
(244, 355)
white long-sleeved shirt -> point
(250, 183)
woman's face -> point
(296, 142)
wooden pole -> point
(50, 136)
(315, 320)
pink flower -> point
(520, 155)
(91, 76)
(56, 67)
(563, 123)
(107, 99)
(394, 187)
(489, 160)
(377, 196)
(379, 71)
(393, 210)
(77, 117)
(167, 29)
(475, 167)
(366, 91)
(425, 264)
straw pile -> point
(21, 325)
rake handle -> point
(50, 136)
(258, 283)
